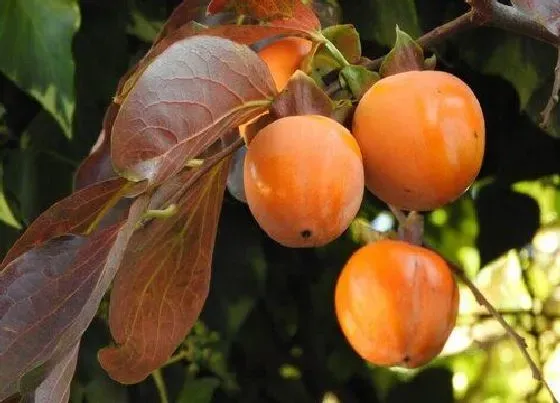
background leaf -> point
(35, 38)
(162, 285)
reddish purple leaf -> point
(74, 214)
(196, 90)
(56, 387)
(50, 294)
(545, 12)
(302, 96)
(161, 287)
(97, 166)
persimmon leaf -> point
(302, 17)
(359, 79)
(196, 90)
(302, 96)
(161, 287)
(74, 215)
(56, 386)
(260, 9)
(406, 55)
(346, 39)
(97, 166)
(50, 294)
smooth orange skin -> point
(304, 180)
(284, 57)
(396, 303)
(422, 137)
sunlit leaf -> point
(192, 93)
(36, 42)
(303, 17)
(162, 285)
(346, 39)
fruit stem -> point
(411, 226)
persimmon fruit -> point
(304, 180)
(396, 303)
(284, 56)
(422, 137)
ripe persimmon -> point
(304, 180)
(284, 56)
(422, 137)
(396, 303)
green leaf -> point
(6, 214)
(359, 79)
(36, 42)
(347, 40)
(376, 19)
(198, 390)
(525, 63)
(406, 55)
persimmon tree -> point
(139, 227)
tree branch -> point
(520, 341)
(482, 13)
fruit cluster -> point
(416, 143)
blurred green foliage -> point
(268, 331)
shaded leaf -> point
(260, 9)
(162, 285)
(346, 39)
(97, 166)
(507, 220)
(195, 91)
(50, 294)
(545, 12)
(301, 96)
(56, 387)
(406, 55)
(376, 19)
(200, 390)
(359, 79)
(6, 214)
(36, 42)
(328, 12)
(74, 214)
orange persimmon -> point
(304, 180)
(396, 303)
(422, 137)
(282, 57)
